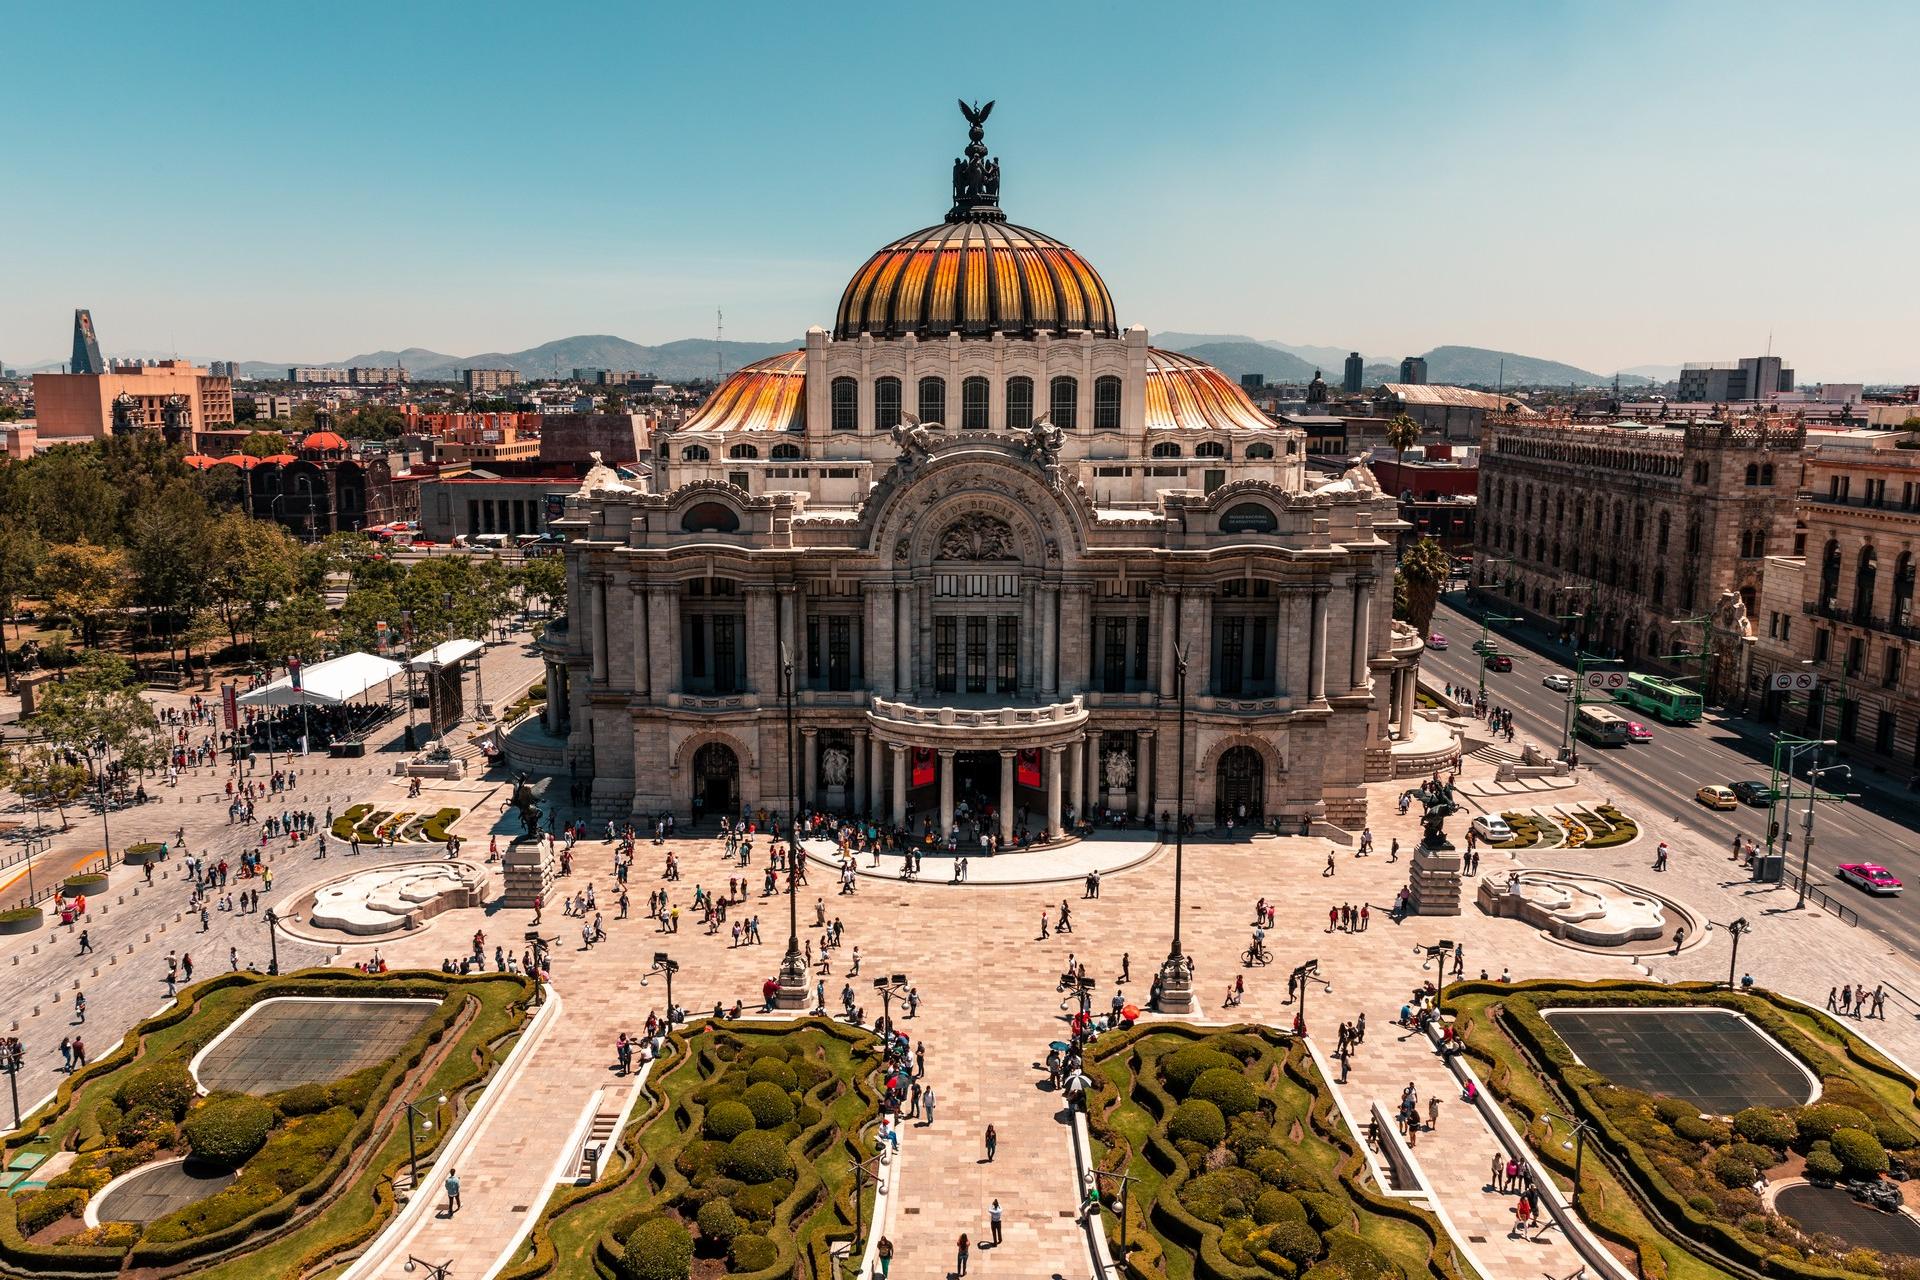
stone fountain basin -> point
(1580, 908)
(387, 899)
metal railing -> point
(1839, 910)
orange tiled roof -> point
(975, 278)
(239, 460)
(767, 395)
(1188, 394)
(323, 440)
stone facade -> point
(983, 602)
(1635, 527)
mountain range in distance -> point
(1237, 354)
(691, 359)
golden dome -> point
(975, 277)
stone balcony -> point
(976, 722)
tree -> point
(544, 578)
(264, 444)
(254, 564)
(295, 628)
(9, 413)
(20, 554)
(375, 422)
(170, 551)
(1425, 566)
(1402, 434)
(44, 778)
(86, 582)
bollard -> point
(111, 960)
(96, 973)
(36, 948)
(120, 901)
(149, 938)
(76, 984)
(16, 962)
(36, 1011)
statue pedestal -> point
(834, 799)
(1173, 990)
(1434, 881)
(528, 873)
(1117, 800)
(796, 992)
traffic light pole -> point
(1485, 650)
(1569, 740)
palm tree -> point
(1425, 566)
(1402, 433)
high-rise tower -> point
(86, 347)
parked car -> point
(1499, 662)
(1758, 794)
(1715, 796)
(1483, 646)
(1637, 732)
(1436, 641)
(1492, 828)
(1871, 876)
(1558, 681)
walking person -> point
(453, 1192)
(993, 1220)
(960, 1267)
(993, 1142)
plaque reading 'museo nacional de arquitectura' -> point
(987, 523)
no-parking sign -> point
(1795, 681)
(1606, 681)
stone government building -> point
(981, 516)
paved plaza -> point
(986, 977)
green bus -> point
(1664, 699)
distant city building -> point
(224, 368)
(489, 379)
(317, 374)
(1717, 382)
(1452, 413)
(1252, 381)
(270, 408)
(172, 396)
(1437, 486)
(592, 375)
(376, 375)
(1355, 377)
(1413, 369)
(86, 347)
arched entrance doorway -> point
(716, 779)
(1240, 787)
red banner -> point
(923, 767)
(1026, 768)
(230, 707)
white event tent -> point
(326, 684)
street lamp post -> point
(1176, 984)
(1738, 929)
(893, 984)
(1580, 1128)
(1126, 1181)
(12, 1057)
(1304, 974)
(1806, 842)
(426, 1124)
(860, 1176)
(273, 943)
(792, 987)
(664, 964)
(406, 630)
(1438, 951)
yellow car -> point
(1717, 797)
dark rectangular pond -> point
(1713, 1058)
(283, 1042)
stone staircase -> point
(593, 1148)
(1495, 755)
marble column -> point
(785, 596)
(1077, 778)
(1143, 773)
(903, 642)
(1362, 628)
(859, 771)
(1006, 795)
(1049, 642)
(763, 649)
(597, 603)
(1156, 607)
(899, 784)
(877, 771)
(877, 646)
(1169, 633)
(1287, 645)
(642, 660)
(809, 768)
(550, 714)
(1053, 791)
(1409, 689)
(1317, 647)
(1093, 794)
(663, 649)
(946, 792)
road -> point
(1662, 775)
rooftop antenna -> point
(1502, 387)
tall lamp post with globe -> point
(1174, 983)
(792, 992)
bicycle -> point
(1255, 954)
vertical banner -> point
(1026, 768)
(380, 637)
(923, 767)
(293, 673)
(230, 707)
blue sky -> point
(1608, 184)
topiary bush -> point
(1732, 1171)
(1766, 1126)
(769, 1103)
(1859, 1153)
(225, 1131)
(37, 1210)
(1183, 1066)
(1823, 1166)
(727, 1120)
(1227, 1088)
(1823, 1119)
(758, 1156)
(718, 1225)
(166, 1087)
(771, 1070)
(658, 1249)
(302, 1100)
(1221, 1194)
(1197, 1120)
(752, 1253)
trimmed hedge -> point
(769, 1103)
(757, 1156)
(727, 1120)
(1197, 1120)
(659, 1249)
(224, 1132)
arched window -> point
(1660, 540)
(886, 403)
(933, 400)
(1902, 611)
(1830, 575)
(1106, 403)
(973, 404)
(1865, 575)
(695, 453)
(1619, 519)
(1209, 449)
(1166, 449)
(1019, 403)
(1064, 403)
(1259, 452)
(1753, 474)
(1766, 473)
(743, 451)
(710, 517)
(846, 404)
(786, 452)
